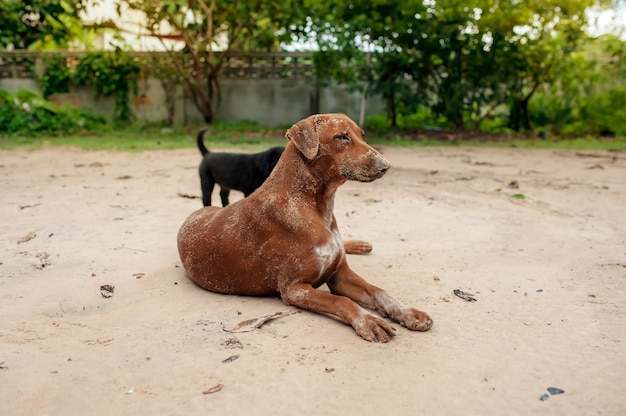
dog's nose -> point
(382, 165)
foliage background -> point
(494, 66)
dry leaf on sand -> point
(213, 389)
(255, 323)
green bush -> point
(549, 111)
(110, 74)
(56, 78)
(606, 112)
(598, 112)
(421, 118)
(574, 129)
(377, 123)
(497, 124)
(27, 113)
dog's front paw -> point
(357, 247)
(416, 320)
(373, 329)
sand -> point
(537, 237)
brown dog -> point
(284, 238)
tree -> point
(539, 45)
(211, 32)
(454, 65)
(438, 46)
(35, 23)
(465, 57)
(589, 95)
(472, 56)
(358, 41)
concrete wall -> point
(272, 102)
(14, 84)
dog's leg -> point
(207, 185)
(224, 192)
(348, 283)
(368, 326)
(357, 247)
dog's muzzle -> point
(370, 167)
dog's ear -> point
(305, 136)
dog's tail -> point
(200, 142)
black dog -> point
(241, 172)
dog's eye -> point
(343, 136)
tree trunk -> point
(391, 106)
(514, 115)
(519, 116)
(314, 101)
(526, 114)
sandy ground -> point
(548, 273)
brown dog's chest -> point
(328, 255)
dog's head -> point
(334, 145)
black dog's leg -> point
(224, 195)
(207, 185)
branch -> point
(209, 32)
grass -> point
(251, 136)
(588, 143)
(135, 139)
(125, 141)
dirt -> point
(536, 237)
